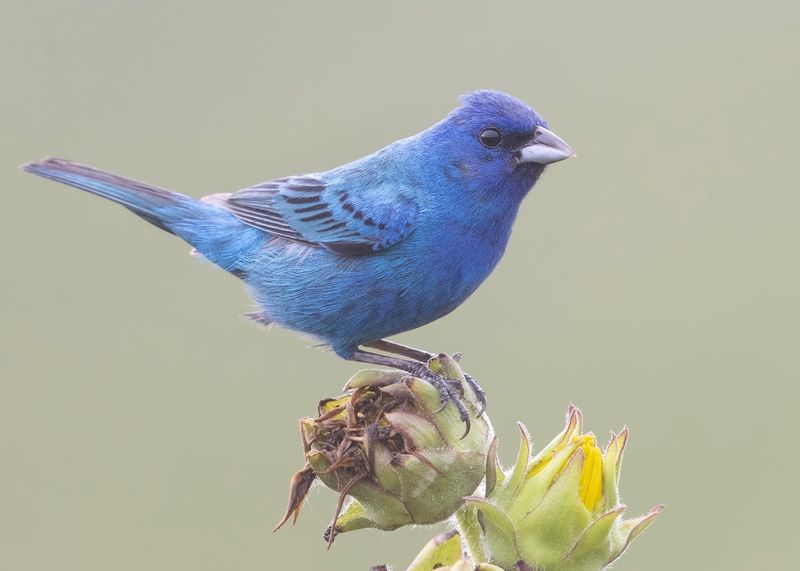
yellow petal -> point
(591, 484)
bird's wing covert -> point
(306, 210)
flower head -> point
(559, 510)
(386, 445)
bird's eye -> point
(490, 137)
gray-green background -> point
(653, 281)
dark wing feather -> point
(308, 211)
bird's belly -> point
(346, 301)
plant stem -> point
(470, 530)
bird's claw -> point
(450, 391)
(480, 394)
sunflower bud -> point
(386, 445)
(559, 510)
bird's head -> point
(495, 141)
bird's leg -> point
(402, 350)
(446, 391)
(423, 357)
(409, 352)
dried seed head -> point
(383, 445)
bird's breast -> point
(461, 257)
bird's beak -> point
(547, 148)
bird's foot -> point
(480, 394)
(450, 391)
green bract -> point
(556, 511)
(444, 553)
(387, 446)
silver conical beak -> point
(547, 148)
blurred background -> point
(653, 281)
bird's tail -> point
(213, 231)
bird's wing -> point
(306, 210)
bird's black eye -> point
(490, 137)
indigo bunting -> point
(381, 245)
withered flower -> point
(389, 446)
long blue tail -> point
(216, 233)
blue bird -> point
(379, 246)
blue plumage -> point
(378, 246)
